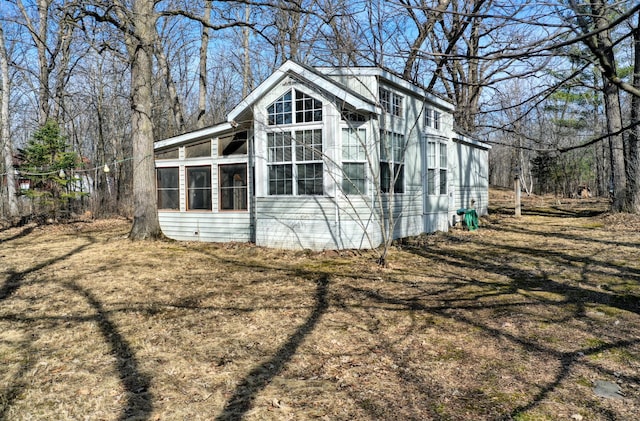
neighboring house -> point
(322, 158)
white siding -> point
(316, 223)
(470, 176)
(206, 226)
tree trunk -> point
(176, 105)
(202, 67)
(39, 36)
(145, 208)
(247, 86)
(5, 138)
(616, 146)
(633, 161)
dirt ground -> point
(524, 319)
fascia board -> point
(470, 141)
(193, 136)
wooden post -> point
(516, 184)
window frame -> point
(392, 161)
(173, 189)
(391, 102)
(243, 189)
(192, 151)
(289, 162)
(358, 159)
(205, 188)
(295, 107)
(432, 118)
(437, 169)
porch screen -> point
(233, 186)
(199, 188)
(168, 182)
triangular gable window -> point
(305, 109)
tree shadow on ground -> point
(138, 399)
(260, 377)
(136, 384)
(23, 233)
(575, 296)
(551, 211)
(9, 287)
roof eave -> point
(193, 136)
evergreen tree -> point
(48, 163)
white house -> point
(322, 158)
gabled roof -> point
(389, 78)
(311, 75)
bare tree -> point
(5, 135)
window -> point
(199, 188)
(353, 161)
(233, 186)
(432, 118)
(305, 108)
(307, 162)
(436, 168)
(168, 181)
(233, 145)
(167, 154)
(391, 102)
(280, 111)
(443, 168)
(392, 148)
(431, 167)
(309, 156)
(198, 150)
(280, 163)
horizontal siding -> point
(317, 223)
(204, 226)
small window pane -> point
(398, 186)
(168, 181)
(233, 145)
(233, 187)
(431, 181)
(385, 177)
(431, 155)
(443, 155)
(199, 188)
(198, 150)
(398, 147)
(428, 120)
(168, 154)
(443, 181)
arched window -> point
(305, 109)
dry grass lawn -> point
(517, 320)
